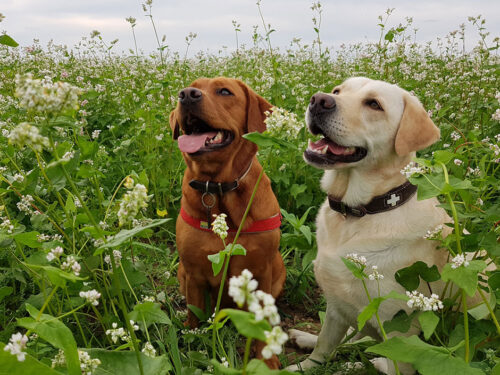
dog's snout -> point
(321, 103)
(190, 95)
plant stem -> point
(247, 354)
(492, 313)
(466, 326)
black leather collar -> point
(381, 203)
(218, 187)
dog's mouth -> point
(326, 152)
(199, 137)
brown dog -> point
(222, 170)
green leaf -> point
(200, 314)
(443, 156)
(5, 291)
(55, 333)
(428, 185)
(30, 366)
(409, 277)
(8, 41)
(296, 189)
(425, 358)
(490, 244)
(149, 312)
(428, 321)
(258, 367)
(217, 260)
(29, 239)
(464, 277)
(126, 234)
(245, 323)
(56, 275)
(70, 204)
(266, 140)
(373, 306)
(238, 250)
(125, 362)
(356, 271)
(400, 322)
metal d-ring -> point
(211, 204)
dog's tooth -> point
(323, 150)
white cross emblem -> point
(393, 200)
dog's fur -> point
(391, 240)
(238, 113)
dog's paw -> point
(303, 340)
(304, 365)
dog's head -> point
(213, 114)
(364, 121)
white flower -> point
(18, 177)
(458, 162)
(496, 116)
(473, 171)
(68, 156)
(413, 168)
(281, 122)
(458, 261)
(55, 253)
(263, 306)
(479, 202)
(87, 364)
(219, 226)
(421, 302)
(25, 204)
(132, 202)
(95, 134)
(118, 333)
(159, 137)
(224, 362)
(91, 296)
(375, 275)
(353, 257)
(434, 233)
(455, 136)
(59, 359)
(148, 298)
(274, 340)
(71, 264)
(241, 286)
(134, 326)
(149, 350)
(26, 134)
(6, 224)
(17, 343)
(117, 254)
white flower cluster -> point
(375, 275)
(496, 116)
(87, 364)
(91, 296)
(133, 201)
(359, 260)
(219, 226)
(71, 264)
(55, 253)
(117, 254)
(67, 157)
(434, 233)
(281, 122)
(17, 344)
(45, 95)
(243, 289)
(25, 134)
(421, 302)
(149, 350)
(413, 168)
(455, 136)
(47, 237)
(6, 224)
(121, 333)
(95, 134)
(25, 204)
(458, 261)
(458, 162)
(18, 177)
(148, 298)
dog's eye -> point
(224, 92)
(336, 92)
(373, 104)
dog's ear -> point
(174, 125)
(257, 107)
(416, 129)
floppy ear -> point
(416, 129)
(256, 108)
(174, 125)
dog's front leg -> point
(332, 332)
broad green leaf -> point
(266, 140)
(409, 277)
(149, 312)
(217, 261)
(400, 322)
(238, 250)
(464, 277)
(56, 275)
(373, 306)
(125, 362)
(29, 239)
(221, 369)
(5, 291)
(443, 156)
(428, 321)
(8, 41)
(481, 311)
(428, 185)
(356, 271)
(55, 333)
(490, 244)
(9, 365)
(426, 359)
(245, 323)
(494, 280)
(200, 314)
(126, 234)
(258, 367)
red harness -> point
(271, 223)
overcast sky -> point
(344, 21)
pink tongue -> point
(332, 146)
(193, 142)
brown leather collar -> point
(218, 187)
(381, 203)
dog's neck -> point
(358, 186)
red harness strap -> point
(265, 225)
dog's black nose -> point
(322, 103)
(189, 95)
